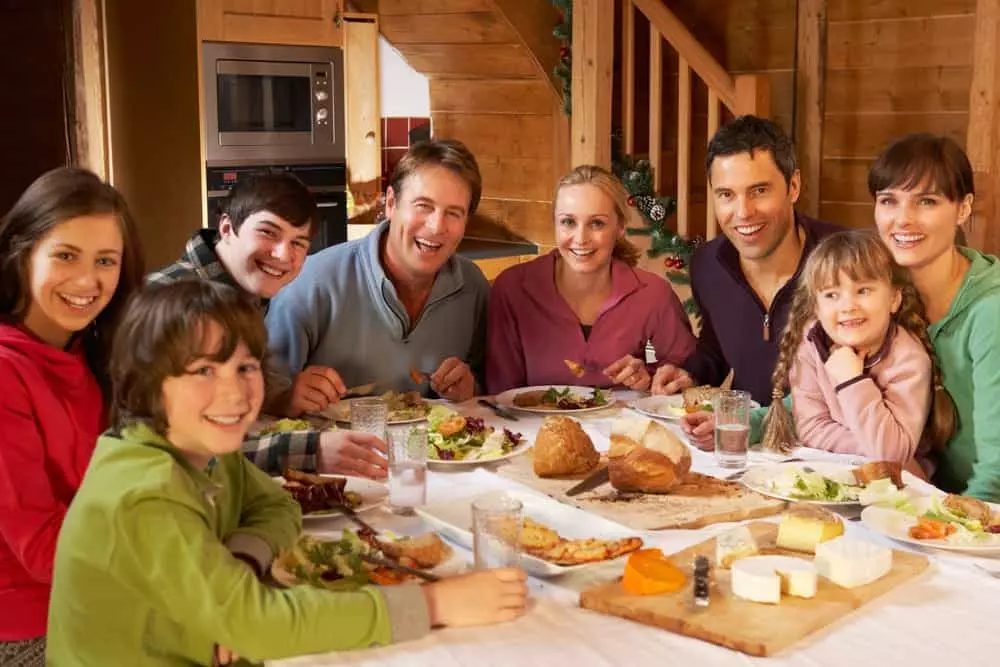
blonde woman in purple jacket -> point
(586, 301)
(863, 375)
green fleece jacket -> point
(967, 342)
(145, 572)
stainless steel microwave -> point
(269, 104)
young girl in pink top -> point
(585, 301)
(863, 375)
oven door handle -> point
(327, 204)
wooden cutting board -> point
(750, 627)
(699, 501)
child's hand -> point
(700, 428)
(844, 364)
(480, 598)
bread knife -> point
(594, 480)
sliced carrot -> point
(647, 572)
(382, 576)
(931, 529)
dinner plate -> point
(506, 399)
(762, 479)
(896, 524)
(372, 495)
(666, 407)
(453, 520)
(341, 412)
(524, 446)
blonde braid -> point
(942, 422)
(779, 426)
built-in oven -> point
(272, 104)
(326, 182)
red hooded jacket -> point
(51, 412)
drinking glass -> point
(369, 415)
(496, 531)
(732, 428)
(407, 468)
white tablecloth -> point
(949, 616)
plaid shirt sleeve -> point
(274, 452)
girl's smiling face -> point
(857, 313)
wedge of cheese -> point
(765, 578)
(804, 526)
(733, 545)
(851, 563)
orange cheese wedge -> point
(647, 572)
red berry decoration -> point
(631, 200)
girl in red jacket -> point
(69, 260)
(856, 354)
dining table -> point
(949, 616)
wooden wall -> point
(154, 121)
(893, 66)
(32, 76)
(487, 62)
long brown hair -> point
(163, 332)
(54, 198)
(861, 256)
(608, 183)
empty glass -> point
(407, 468)
(369, 415)
(732, 428)
(497, 520)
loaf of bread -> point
(646, 456)
(563, 448)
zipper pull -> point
(767, 327)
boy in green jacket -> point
(160, 553)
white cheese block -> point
(733, 545)
(851, 563)
(765, 578)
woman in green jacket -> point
(923, 190)
(160, 553)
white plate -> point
(895, 524)
(517, 451)
(372, 495)
(453, 520)
(666, 407)
(759, 479)
(506, 399)
(341, 412)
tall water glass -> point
(732, 428)
(497, 520)
(369, 415)
(407, 468)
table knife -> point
(594, 480)
(500, 412)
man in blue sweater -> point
(744, 280)
(372, 309)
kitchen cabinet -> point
(363, 120)
(302, 22)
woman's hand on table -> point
(699, 427)
(629, 372)
(670, 379)
(479, 598)
(351, 453)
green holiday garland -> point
(564, 69)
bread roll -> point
(562, 448)
(646, 456)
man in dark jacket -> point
(743, 281)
